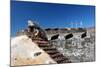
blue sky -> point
(50, 15)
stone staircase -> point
(53, 52)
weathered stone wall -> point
(77, 49)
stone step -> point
(40, 41)
(49, 49)
(44, 45)
(53, 53)
(57, 54)
(60, 59)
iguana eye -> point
(37, 53)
